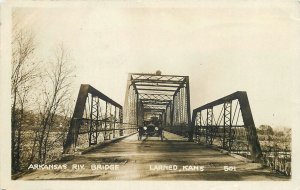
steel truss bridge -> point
(101, 118)
(226, 123)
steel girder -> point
(226, 128)
(88, 117)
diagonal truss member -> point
(225, 129)
(90, 118)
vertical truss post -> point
(189, 108)
(115, 120)
(94, 123)
(97, 119)
(227, 138)
(181, 110)
(105, 121)
(169, 113)
(172, 112)
(137, 110)
(209, 129)
(121, 121)
(91, 123)
(110, 121)
(178, 109)
(200, 125)
(134, 111)
(120, 116)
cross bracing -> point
(166, 95)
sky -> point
(223, 47)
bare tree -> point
(32, 120)
(56, 96)
(24, 72)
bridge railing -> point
(119, 130)
(278, 160)
(228, 123)
(96, 118)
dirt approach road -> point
(151, 159)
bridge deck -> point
(137, 158)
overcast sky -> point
(249, 46)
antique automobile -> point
(151, 128)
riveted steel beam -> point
(157, 85)
(149, 89)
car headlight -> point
(156, 128)
(145, 128)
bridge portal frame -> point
(165, 94)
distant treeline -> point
(277, 138)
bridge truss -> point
(228, 123)
(96, 118)
(164, 96)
